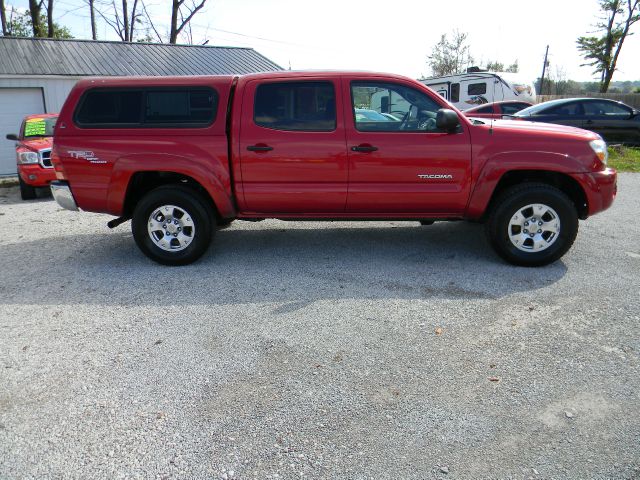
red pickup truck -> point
(33, 153)
(180, 156)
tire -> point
(188, 226)
(513, 235)
(224, 223)
(27, 192)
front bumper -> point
(600, 188)
(62, 194)
(35, 175)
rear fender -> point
(213, 178)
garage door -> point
(15, 103)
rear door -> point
(570, 114)
(292, 146)
(407, 167)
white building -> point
(36, 75)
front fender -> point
(493, 169)
(214, 178)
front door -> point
(611, 121)
(401, 164)
(292, 147)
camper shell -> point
(474, 88)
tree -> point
(514, 67)
(450, 57)
(92, 16)
(495, 66)
(601, 52)
(3, 19)
(185, 14)
(122, 19)
(20, 25)
(35, 8)
(499, 67)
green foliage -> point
(450, 57)
(514, 67)
(624, 159)
(21, 26)
(499, 67)
(495, 66)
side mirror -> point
(13, 136)
(447, 120)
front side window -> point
(150, 107)
(296, 106)
(477, 89)
(389, 107)
(604, 109)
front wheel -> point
(27, 192)
(532, 224)
(171, 225)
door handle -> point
(259, 148)
(364, 148)
(589, 122)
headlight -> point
(25, 158)
(600, 148)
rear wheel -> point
(27, 192)
(532, 224)
(171, 225)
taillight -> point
(57, 164)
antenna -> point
(494, 80)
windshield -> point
(39, 127)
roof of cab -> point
(227, 79)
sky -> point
(387, 36)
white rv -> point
(467, 90)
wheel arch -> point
(142, 182)
(562, 181)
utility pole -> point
(544, 68)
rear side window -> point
(147, 108)
(298, 106)
(110, 108)
(488, 109)
(511, 108)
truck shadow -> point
(295, 266)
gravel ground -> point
(317, 350)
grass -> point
(624, 159)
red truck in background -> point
(33, 153)
(497, 110)
(180, 156)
